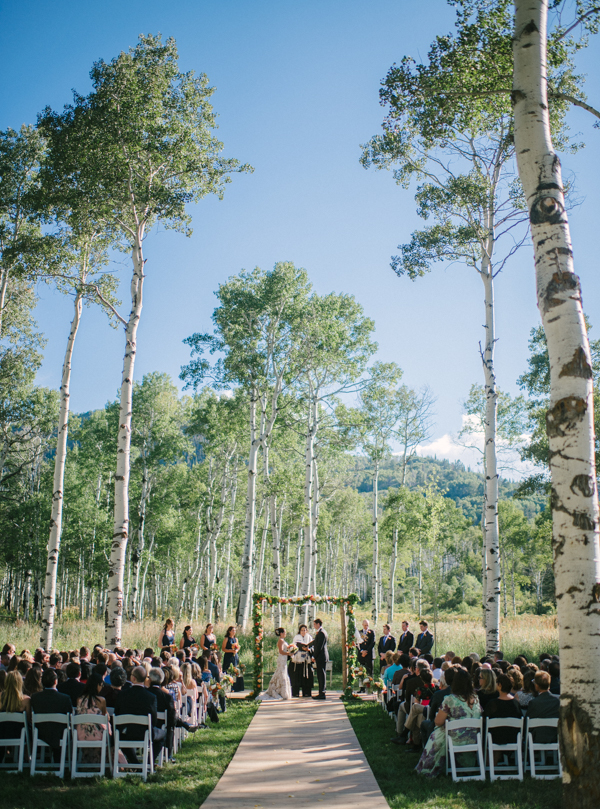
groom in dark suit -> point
(320, 655)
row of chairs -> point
(524, 749)
(38, 754)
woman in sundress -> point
(462, 703)
(91, 702)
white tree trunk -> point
(308, 511)
(49, 600)
(229, 539)
(374, 612)
(116, 565)
(275, 563)
(393, 563)
(493, 574)
(136, 557)
(246, 586)
(570, 418)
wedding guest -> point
(13, 700)
(487, 687)
(427, 725)
(437, 668)
(73, 687)
(51, 701)
(505, 706)
(90, 702)
(406, 640)
(118, 680)
(187, 639)
(411, 687)
(462, 703)
(554, 672)
(365, 649)
(387, 643)
(300, 666)
(390, 670)
(33, 681)
(137, 701)
(544, 706)
(527, 692)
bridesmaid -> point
(208, 640)
(187, 639)
(230, 648)
(167, 634)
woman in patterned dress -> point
(462, 703)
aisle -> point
(302, 753)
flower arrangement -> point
(378, 685)
(214, 687)
(227, 681)
(367, 682)
(242, 668)
(359, 672)
(235, 670)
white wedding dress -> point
(280, 686)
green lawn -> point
(184, 785)
(393, 766)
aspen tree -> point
(570, 417)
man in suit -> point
(387, 643)
(544, 706)
(138, 701)
(424, 641)
(51, 701)
(365, 649)
(320, 655)
(72, 686)
(406, 639)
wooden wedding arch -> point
(347, 622)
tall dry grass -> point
(526, 634)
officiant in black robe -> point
(300, 668)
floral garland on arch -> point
(261, 599)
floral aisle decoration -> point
(262, 599)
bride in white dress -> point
(280, 686)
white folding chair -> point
(542, 771)
(164, 751)
(505, 772)
(39, 746)
(92, 768)
(329, 668)
(18, 742)
(110, 711)
(467, 772)
(145, 745)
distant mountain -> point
(452, 479)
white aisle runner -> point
(298, 753)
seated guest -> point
(138, 701)
(516, 678)
(462, 703)
(422, 698)
(411, 687)
(544, 706)
(498, 656)
(408, 670)
(427, 725)
(91, 702)
(527, 692)
(437, 668)
(554, 672)
(487, 687)
(388, 674)
(55, 661)
(33, 681)
(449, 657)
(505, 706)
(8, 650)
(51, 701)
(118, 678)
(387, 661)
(73, 687)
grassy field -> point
(184, 785)
(393, 766)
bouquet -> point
(213, 646)
(235, 671)
(235, 646)
(292, 649)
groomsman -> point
(407, 639)
(424, 641)
(387, 643)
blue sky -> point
(297, 93)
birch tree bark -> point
(49, 599)
(570, 425)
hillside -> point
(451, 479)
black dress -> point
(503, 709)
(300, 669)
(230, 658)
(168, 639)
(187, 642)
